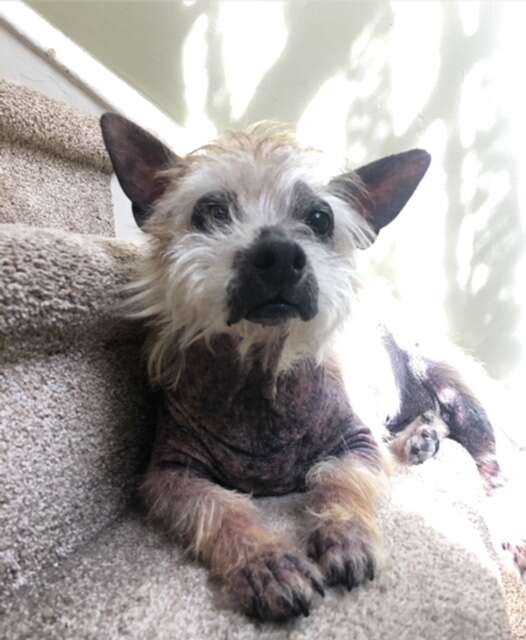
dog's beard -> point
(194, 286)
(213, 297)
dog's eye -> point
(217, 211)
(321, 222)
(210, 212)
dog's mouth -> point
(271, 306)
(272, 312)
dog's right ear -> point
(381, 189)
(137, 159)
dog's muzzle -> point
(273, 282)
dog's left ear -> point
(380, 190)
(138, 158)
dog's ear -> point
(137, 158)
(380, 190)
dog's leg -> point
(420, 440)
(466, 419)
(469, 425)
(343, 501)
(262, 574)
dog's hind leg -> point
(469, 424)
(263, 575)
(466, 419)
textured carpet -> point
(71, 395)
(515, 591)
(439, 581)
(54, 171)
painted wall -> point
(363, 80)
(21, 64)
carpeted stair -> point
(77, 559)
(54, 170)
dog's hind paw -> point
(491, 474)
(518, 552)
(420, 440)
(422, 445)
(275, 586)
(344, 553)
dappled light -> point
(367, 79)
(414, 59)
(253, 36)
(380, 85)
(196, 80)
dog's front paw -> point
(344, 552)
(275, 586)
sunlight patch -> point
(468, 12)
(424, 217)
(254, 35)
(195, 73)
(415, 51)
(479, 278)
(478, 108)
(323, 124)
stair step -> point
(72, 396)
(54, 169)
(134, 583)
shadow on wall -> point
(361, 79)
(479, 220)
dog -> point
(246, 288)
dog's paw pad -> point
(275, 586)
(422, 445)
(344, 554)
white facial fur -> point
(182, 283)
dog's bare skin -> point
(248, 278)
(253, 428)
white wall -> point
(21, 64)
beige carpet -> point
(516, 604)
(54, 171)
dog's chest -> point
(249, 428)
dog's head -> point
(247, 238)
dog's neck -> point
(253, 425)
(218, 365)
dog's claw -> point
(333, 575)
(318, 587)
(349, 578)
(257, 608)
(370, 569)
(288, 606)
(302, 604)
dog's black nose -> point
(278, 261)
